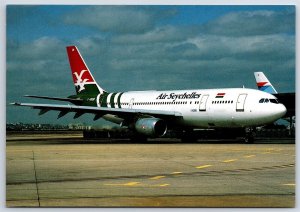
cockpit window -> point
(264, 100)
(274, 101)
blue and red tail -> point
(263, 83)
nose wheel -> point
(249, 135)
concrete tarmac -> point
(73, 172)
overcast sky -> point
(145, 48)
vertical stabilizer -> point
(263, 83)
(82, 77)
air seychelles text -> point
(175, 96)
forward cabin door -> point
(203, 101)
(241, 102)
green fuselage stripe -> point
(112, 103)
(119, 100)
(104, 100)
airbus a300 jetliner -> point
(151, 113)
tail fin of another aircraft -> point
(82, 77)
(263, 83)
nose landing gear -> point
(249, 135)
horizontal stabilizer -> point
(74, 101)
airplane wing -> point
(100, 111)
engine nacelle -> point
(152, 127)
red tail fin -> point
(82, 77)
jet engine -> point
(152, 127)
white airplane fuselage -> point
(207, 108)
(151, 113)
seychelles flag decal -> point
(220, 95)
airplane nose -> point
(281, 110)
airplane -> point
(287, 99)
(152, 113)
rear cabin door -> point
(241, 102)
(202, 106)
